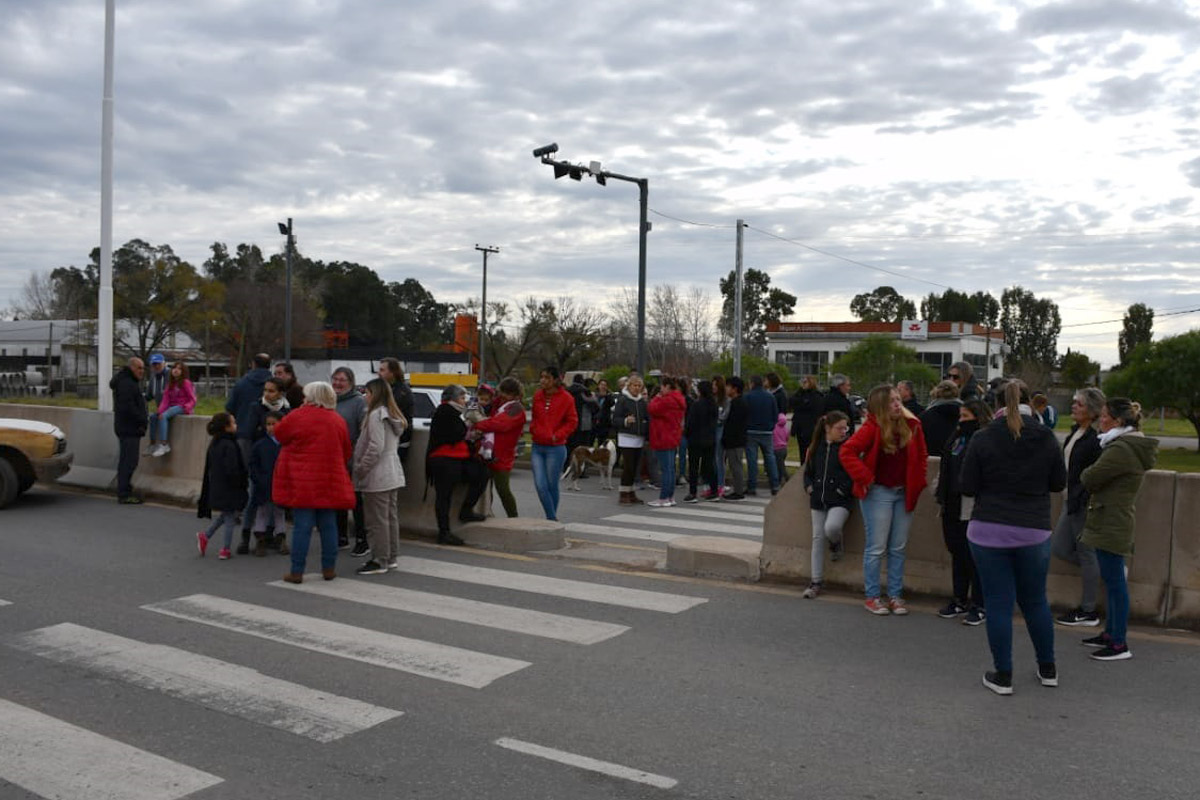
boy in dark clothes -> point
(262, 471)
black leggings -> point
(448, 473)
(966, 579)
(700, 465)
(629, 465)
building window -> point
(979, 364)
(939, 361)
(803, 362)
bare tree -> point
(508, 348)
(37, 299)
(576, 335)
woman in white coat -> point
(379, 476)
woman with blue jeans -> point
(886, 458)
(1113, 483)
(554, 420)
(667, 411)
(1010, 468)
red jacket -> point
(507, 422)
(666, 420)
(311, 470)
(860, 454)
(554, 417)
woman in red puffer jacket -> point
(667, 410)
(504, 427)
(311, 477)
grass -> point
(1178, 460)
(205, 406)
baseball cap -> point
(158, 358)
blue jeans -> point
(1112, 570)
(158, 423)
(1015, 574)
(547, 462)
(666, 468)
(303, 520)
(228, 519)
(719, 457)
(886, 523)
(766, 443)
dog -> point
(604, 457)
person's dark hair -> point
(982, 411)
(393, 365)
(262, 360)
(553, 372)
(907, 385)
(1039, 400)
(287, 367)
(685, 385)
(511, 387)
(736, 382)
(275, 415)
(349, 373)
(183, 374)
(578, 378)
(1015, 393)
(756, 381)
(773, 379)
(1125, 411)
(277, 383)
(668, 381)
(379, 393)
(719, 388)
(824, 423)
(704, 389)
(219, 423)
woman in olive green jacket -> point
(1113, 483)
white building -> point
(809, 348)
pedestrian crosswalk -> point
(54, 758)
(737, 520)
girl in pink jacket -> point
(178, 398)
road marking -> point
(474, 612)
(427, 659)
(730, 507)
(221, 686)
(52, 758)
(623, 533)
(590, 764)
(5, 603)
(559, 587)
(697, 528)
(689, 511)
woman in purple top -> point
(1011, 467)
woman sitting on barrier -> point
(956, 515)
(830, 493)
(1011, 467)
(179, 398)
(1113, 483)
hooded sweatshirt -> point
(376, 457)
(1113, 483)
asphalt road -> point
(752, 693)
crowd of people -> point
(328, 453)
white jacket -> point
(376, 460)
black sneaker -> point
(1113, 652)
(691, 498)
(1047, 674)
(361, 549)
(343, 544)
(734, 496)
(953, 609)
(450, 539)
(998, 682)
(371, 567)
(1103, 640)
(471, 516)
(1079, 618)
(974, 617)
(131, 500)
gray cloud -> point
(1089, 16)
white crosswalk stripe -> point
(5, 603)
(642, 534)
(696, 528)
(703, 513)
(208, 682)
(475, 612)
(427, 659)
(558, 587)
(55, 759)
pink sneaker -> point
(201, 542)
(224, 555)
(876, 606)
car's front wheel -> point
(10, 484)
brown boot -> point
(328, 574)
(281, 544)
(294, 577)
(625, 499)
(635, 500)
(260, 544)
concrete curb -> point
(516, 535)
(714, 556)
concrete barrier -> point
(714, 556)
(1164, 574)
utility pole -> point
(50, 359)
(737, 303)
(483, 314)
(287, 304)
(207, 359)
(105, 305)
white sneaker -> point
(164, 448)
(660, 503)
(156, 451)
(150, 449)
(393, 565)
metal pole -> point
(643, 229)
(207, 359)
(287, 307)
(105, 307)
(737, 303)
(483, 313)
(50, 358)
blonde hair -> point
(895, 434)
(944, 390)
(320, 393)
(1015, 393)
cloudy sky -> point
(960, 143)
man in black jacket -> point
(733, 437)
(129, 424)
(837, 399)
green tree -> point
(1031, 326)
(421, 320)
(1163, 373)
(157, 295)
(1077, 370)
(1137, 328)
(882, 304)
(882, 359)
(955, 306)
(751, 365)
(613, 374)
(761, 305)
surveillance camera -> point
(546, 150)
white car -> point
(29, 451)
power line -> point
(690, 222)
(1157, 315)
